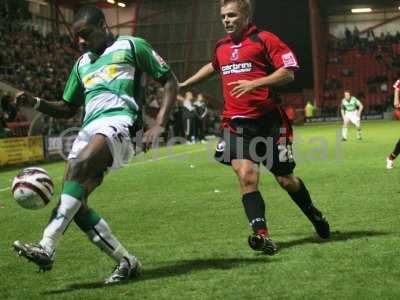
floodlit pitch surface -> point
(181, 214)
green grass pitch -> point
(181, 214)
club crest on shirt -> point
(289, 60)
(235, 54)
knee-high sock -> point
(99, 233)
(396, 151)
(103, 238)
(359, 132)
(303, 200)
(254, 207)
(70, 202)
(62, 216)
(344, 132)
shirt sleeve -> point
(149, 60)
(278, 53)
(74, 91)
(397, 85)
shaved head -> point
(91, 14)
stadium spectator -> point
(349, 37)
(38, 64)
(4, 131)
(396, 151)
(8, 107)
(356, 36)
(290, 113)
(177, 117)
(189, 118)
(351, 109)
(103, 142)
(201, 117)
(249, 113)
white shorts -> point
(353, 117)
(116, 129)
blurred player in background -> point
(201, 117)
(106, 79)
(250, 114)
(396, 151)
(351, 109)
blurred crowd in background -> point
(40, 64)
(367, 65)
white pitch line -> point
(165, 157)
(144, 162)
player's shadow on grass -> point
(178, 268)
(336, 236)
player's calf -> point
(303, 200)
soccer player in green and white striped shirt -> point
(351, 109)
(107, 81)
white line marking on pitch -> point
(145, 162)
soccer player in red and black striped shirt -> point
(396, 151)
(255, 128)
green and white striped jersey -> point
(351, 105)
(112, 84)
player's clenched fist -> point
(150, 136)
(25, 99)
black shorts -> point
(267, 140)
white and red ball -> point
(32, 188)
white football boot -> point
(389, 163)
(35, 253)
(127, 269)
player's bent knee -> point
(78, 170)
(92, 183)
(83, 171)
(247, 177)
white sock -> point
(344, 132)
(67, 209)
(103, 238)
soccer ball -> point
(32, 188)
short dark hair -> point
(244, 6)
(91, 14)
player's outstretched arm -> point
(204, 73)
(281, 76)
(56, 109)
(170, 92)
